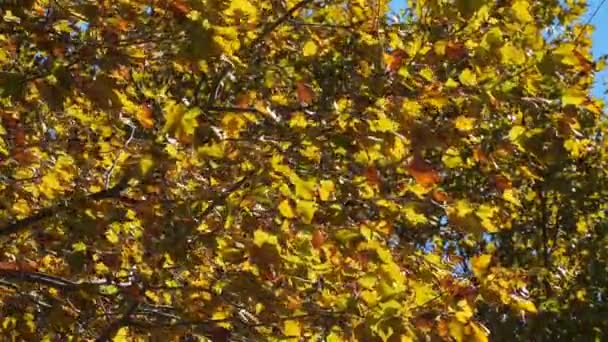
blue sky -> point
(600, 41)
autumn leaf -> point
(318, 238)
(305, 93)
(423, 172)
(480, 264)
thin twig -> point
(108, 173)
(113, 328)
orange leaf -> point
(179, 7)
(395, 60)
(304, 92)
(455, 50)
(424, 322)
(502, 183)
(586, 64)
(371, 174)
(440, 196)
(144, 116)
(242, 101)
(479, 155)
(423, 172)
(318, 238)
(19, 137)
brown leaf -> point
(305, 93)
(372, 176)
(423, 172)
(395, 60)
(178, 7)
(145, 117)
(585, 63)
(19, 137)
(243, 100)
(440, 196)
(9, 266)
(318, 238)
(479, 155)
(424, 322)
(501, 182)
(455, 50)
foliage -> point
(300, 170)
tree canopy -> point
(301, 170)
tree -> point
(300, 170)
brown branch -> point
(40, 278)
(113, 328)
(22, 224)
(232, 109)
(273, 26)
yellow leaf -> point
(298, 120)
(478, 333)
(515, 132)
(242, 6)
(573, 97)
(512, 55)
(79, 246)
(326, 189)
(152, 296)
(146, 163)
(306, 210)
(510, 196)
(427, 74)
(122, 335)
(451, 158)
(309, 49)
(465, 313)
(292, 328)
(463, 208)
(464, 123)
(304, 189)
(3, 146)
(480, 264)
(468, 78)
(260, 237)
(526, 305)
(112, 236)
(286, 210)
(423, 292)
(520, 10)
(456, 330)
(485, 213)
(233, 124)
(581, 226)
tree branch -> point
(113, 328)
(21, 224)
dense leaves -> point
(300, 170)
